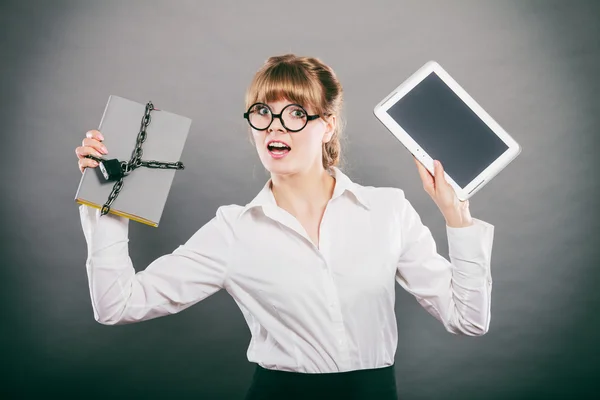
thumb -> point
(438, 170)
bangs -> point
(285, 81)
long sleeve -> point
(456, 292)
(171, 283)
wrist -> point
(458, 218)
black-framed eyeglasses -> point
(293, 117)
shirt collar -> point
(342, 184)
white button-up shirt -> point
(309, 308)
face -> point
(305, 146)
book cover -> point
(145, 190)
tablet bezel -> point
(404, 88)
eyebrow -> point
(288, 105)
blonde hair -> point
(308, 82)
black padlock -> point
(111, 169)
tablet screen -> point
(446, 128)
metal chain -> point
(136, 160)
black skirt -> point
(371, 384)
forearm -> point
(109, 267)
(470, 254)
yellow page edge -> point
(119, 213)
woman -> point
(312, 261)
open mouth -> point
(278, 148)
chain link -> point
(136, 159)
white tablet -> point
(435, 118)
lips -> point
(277, 141)
(278, 151)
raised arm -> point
(456, 292)
(171, 283)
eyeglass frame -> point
(273, 116)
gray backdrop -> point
(532, 65)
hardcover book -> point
(145, 190)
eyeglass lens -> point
(293, 116)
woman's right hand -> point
(91, 145)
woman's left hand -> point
(455, 211)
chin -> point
(283, 166)
(280, 169)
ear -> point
(330, 124)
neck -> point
(303, 192)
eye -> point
(297, 113)
(261, 110)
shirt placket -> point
(332, 297)
(337, 318)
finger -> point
(424, 173)
(439, 173)
(83, 151)
(425, 176)
(84, 163)
(95, 144)
(94, 134)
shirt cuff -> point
(471, 246)
(102, 231)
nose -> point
(276, 124)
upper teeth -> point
(277, 144)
